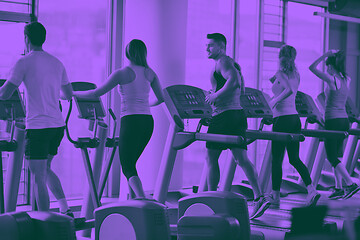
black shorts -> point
(40, 143)
(231, 122)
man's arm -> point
(7, 90)
(66, 92)
(229, 72)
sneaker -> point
(312, 198)
(260, 207)
(68, 213)
(274, 203)
(337, 193)
(350, 190)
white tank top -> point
(286, 106)
(135, 95)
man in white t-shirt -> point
(44, 77)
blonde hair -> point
(287, 57)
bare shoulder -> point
(226, 63)
(124, 75)
(150, 74)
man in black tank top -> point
(228, 118)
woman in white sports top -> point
(286, 119)
(137, 124)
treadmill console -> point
(306, 106)
(88, 107)
(186, 102)
(255, 104)
(13, 105)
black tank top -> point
(230, 101)
(220, 80)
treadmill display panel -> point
(189, 101)
(255, 104)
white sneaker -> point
(312, 198)
(260, 207)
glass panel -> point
(306, 33)
(215, 17)
(76, 34)
(12, 47)
(20, 6)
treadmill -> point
(279, 219)
(12, 110)
(306, 107)
(188, 102)
(326, 180)
(255, 105)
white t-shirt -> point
(43, 76)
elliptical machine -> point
(132, 219)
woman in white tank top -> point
(137, 124)
(285, 86)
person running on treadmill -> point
(228, 118)
(137, 124)
(336, 118)
(286, 119)
(44, 78)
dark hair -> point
(136, 52)
(287, 57)
(217, 37)
(337, 61)
(36, 33)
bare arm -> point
(229, 72)
(320, 74)
(285, 93)
(157, 89)
(7, 90)
(117, 77)
(66, 92)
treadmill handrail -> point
(276, 136)
(184, 139)
(354, 131)
(324, 133)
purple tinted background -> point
(77, 36)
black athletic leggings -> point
(334, 147)
(135, 133)
(287, 124)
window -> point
(17, 6)
(305, 32)
(217, 16)
(76, 34)
(12, 42)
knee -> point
(295, 161)
(276, 162)
(334, 162)
(129, 172)
(241, 163)
(39, 178)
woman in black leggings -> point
(336, 118)
(285, 86)
(137, 124)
